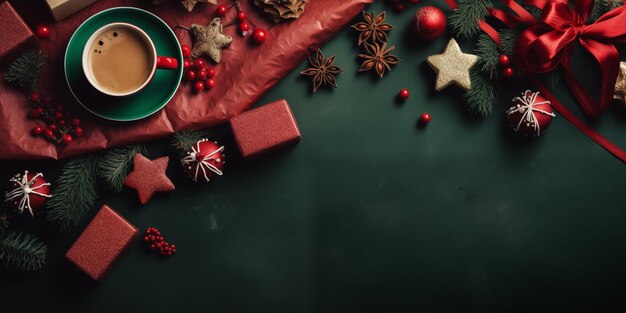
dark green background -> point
(370, 213)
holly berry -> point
(399, 7)
(78, 131)
(37, 130)
(34, 97)
(244, 28)
(75, 122)
(199, 64)
(198, 86)
(425, 118)
(201, 75)
(34, 113)
(62, 123)
(508, 72)
(259, 36)
(42, 31)
(52, 126)
(210, 84)
(58, 115)
(190, 75)
(403, 94)
(210, 72)
(49, 133)
(186, 50)
(187, 64)
(47, 100)
(241, 16)
(222, 10)
(67, 139)
(504, 60)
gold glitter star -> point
(452, 66)
(209, 40)
(620, 84)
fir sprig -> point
(4, 224)
(22, 251)
(483, 95)
(184, 140)
(75, 193)
(464, 20)
(116, 163)
(25, 70)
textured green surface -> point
(148, 101)
(371, 214)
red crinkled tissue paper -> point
(244, 74)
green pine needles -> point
(115, 165)
(22, 251)
(24, 71)
(464, 20)
(184, 140)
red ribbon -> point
(549, 42)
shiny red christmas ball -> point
(28, 193)
(204, 161)
(42, 31)
(259, 36)
(504, 60)
(403, 94)
(222, 10)
(429, 23)
(531, 114)
(508, 72)
(186, 50)
(425, 118)
(241, 16)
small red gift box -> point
(16, 37)
(265, 129)
(102, 243)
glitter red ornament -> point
(531, 114)
(429, 23)
(204, 161)
(27, 192)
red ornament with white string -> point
(28, 192)
(531, 114)
(204, 161)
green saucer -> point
(150, 100)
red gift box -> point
(102, 243)
(16, 37)
(265, 129)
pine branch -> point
(24, 71)
(75, 193)
(489, 51)
(23, 252)
(603, 6)
(483, 95)
(184, 140)
(464, 20)
(116, 163)
(4, 224)
(552, 79)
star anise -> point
(378, 58)
(322, 70)
(373, 29)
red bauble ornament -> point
(424, 118)
(531, 114)
(186, 50)
(241, 16)
(222, 10)
(508, 72)
(28, 192)
(43, 32)
(204, 161)
(259, 36)
(504, 60)
(429, 23)
(403, 94)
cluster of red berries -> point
(198, 71)
(259, 35)
(59, 127)
(505, 61)
(400, 5)
(156, 242)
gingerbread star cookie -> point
(148, 177)
(209, 40)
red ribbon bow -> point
(549, 42)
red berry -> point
(49, 133)
(210, 72)
(152, 238)
(153, 247)
(39, 110)
(34, 97)
(403, 94)
(67, 139)
(221, 10)
(199, 86)
(187, 64)
(199, 64)
(508, 72)
(425, 118)
(202, 75)
(241, 16)
(58, 115)
(186, 50)
(259, 35)
(78, 131)
(199, 156)
(210, 84)
(159, 238)
(244, 27)
(75, 122)
(42, 31)
(47, 100)
(415, 1)
(37, 130)
(34, 113)
(52, 126)
(62, 123)
(146, 238)
(504, 60)
(399, 7)
(190, 75)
